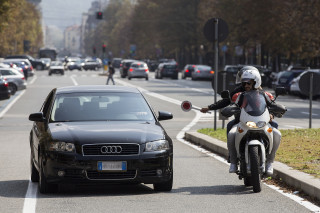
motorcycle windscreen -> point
(254, 103)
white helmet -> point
(240, 72)
(251, 73)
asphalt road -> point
(201, 183)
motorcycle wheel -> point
(247, 181)
(255, 164)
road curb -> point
(299, 180)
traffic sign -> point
(209, 29)
(305, 82)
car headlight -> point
(252, 124)
(61, 146)
(157, 145)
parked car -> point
(14, 78)
(187, 70)
(138, 69)
(294, 85)
(25, 64)
(124, 67)
(92, 64)
(169, 70)
(37, 64)
(5, 92)
(56, 67)
(202, 72)
(116, 62)
(88, 134)
(284, 78)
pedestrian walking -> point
(110, 73)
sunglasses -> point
(245, 83)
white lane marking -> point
(307, 113)
(30, 200)
(180, 137)
(11, 103)
(294, 127)
(73, 80)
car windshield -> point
(232, 69)
(254, 103)
(115, 106)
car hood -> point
(106, 131)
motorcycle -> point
(254, 134)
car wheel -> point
(50, 73)
(62, 73)
(164, 186)
(129, 78)
(12, 88)
(147, 78)
(44, 186)
(34, 171)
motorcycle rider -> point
(251, 80)
(226, 102)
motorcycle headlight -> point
(252, 124)
(157, 145)
(61, 146)
(261, 124)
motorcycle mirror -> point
(280, 91)
(225, 94)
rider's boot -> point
(233, 168)
(269, 169)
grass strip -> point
(299, 148)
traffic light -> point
(99, 15)
(104, 48)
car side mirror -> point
(164, 115)
(36, 117)
(225, 94)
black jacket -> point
(225, 102)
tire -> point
(147, 79)
(164, 186)
(44, 186)
(247, 181)
(255, 164)
(13, 88)
(34, 171)
(129, 78)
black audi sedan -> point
(99, 134)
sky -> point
(63, 13)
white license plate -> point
(112, 166)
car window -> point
(232, 69)
(7, 72)
(101, 107)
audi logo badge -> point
(111, 149)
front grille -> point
(95, 149)
(94, 175)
